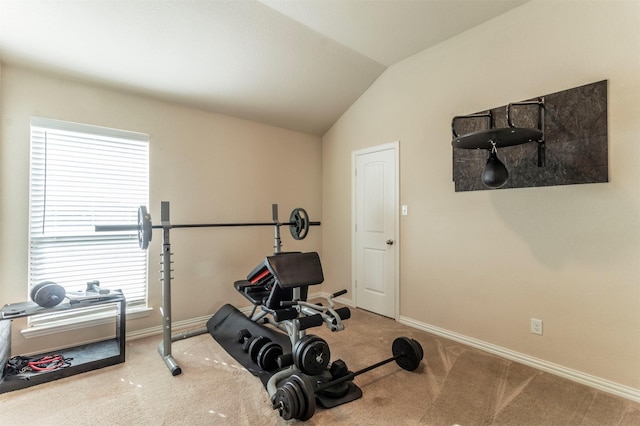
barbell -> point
(299, 224)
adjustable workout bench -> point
(279, 285)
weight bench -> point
(278, 288)
(266, 289)
(272, 343)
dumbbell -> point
(48, 294)
(261, 350)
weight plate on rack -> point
(311, 355)
(144, 228)
(315, 357)
(299, 223)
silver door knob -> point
(390, 242)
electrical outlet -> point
(536, 326)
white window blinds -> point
(82, 176)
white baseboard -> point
(178, 326)
(200, 322)
(323, 295)
(549, 367)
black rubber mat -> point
(224, 327)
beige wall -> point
(212, 168)
(481, 264)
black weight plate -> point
(309, 397)
(418, 348)
(408, 353)
(299, 223)
(144, 228)
(298, 348)
(48, 294)
(314, 361)
(268, 356)
(283, 402)
(337, 391)
(256, 345)
(297, 399)
(315, 357)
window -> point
(82, 176)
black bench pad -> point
(296, 269)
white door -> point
(375, 248)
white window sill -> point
(78, 322)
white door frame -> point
(395, 146)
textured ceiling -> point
(289, 63)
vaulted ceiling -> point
(290, 63)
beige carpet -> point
(455, 385)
